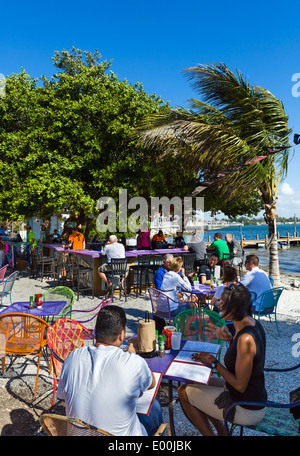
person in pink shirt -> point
(143, 240)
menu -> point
(144, 402)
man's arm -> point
(153, 383)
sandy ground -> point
(20, 412)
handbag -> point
(295, 397)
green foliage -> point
(66, 142)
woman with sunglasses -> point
(242, 375)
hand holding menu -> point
(144, 403)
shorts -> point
(203, 398)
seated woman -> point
(229, 277)
(242, 375)
(172, 286)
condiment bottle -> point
(161, 347)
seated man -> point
(179, 240)
(112, 249)
(219, 246)
(207, 271)
(255, 279)
(235, 249)
(76, 240)
(159, 275)
(172, 285)
(101, 383)
(159, 241)
(197, 247)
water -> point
(289, 260)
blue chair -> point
(6, 287)
(271, 281)
(278, 419)
(268, 304)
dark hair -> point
(219, 235)
(110, 322)
(236, 302)
(253, 258)
(230, 274)
(215, 255)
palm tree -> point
(232, 124)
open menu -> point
(195, 372)
(184, 367)
(144, 403)
(197, 346)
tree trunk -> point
(270, 219)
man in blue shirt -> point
(255, 279)
(159, 275)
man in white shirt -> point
(101, 383)
(255, 279)
(113, 249)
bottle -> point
(156, 340)
(31, 302)
(102, 248)
(161, 346)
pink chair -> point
(3, 271)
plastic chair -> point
(3, 271)
(271, 281)
(57, 425)
(278, 420)
(62, 338)
(194, 324)
(268, 304)
(55, 293)
(22, 335)
(100, 306)
(7, 287)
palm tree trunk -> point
(270, 216)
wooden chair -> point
(62, 338)
(22, 335)
(57, 425)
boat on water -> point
(283, 245)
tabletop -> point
(202, 290)
(48, 309)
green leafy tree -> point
(66, 142)
(232, 124)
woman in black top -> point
(242, 376)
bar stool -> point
(142, 269)
(82, 276)
(119, 270)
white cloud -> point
(286, 189)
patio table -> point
(48, 309)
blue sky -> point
(152, 42)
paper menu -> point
(197, 346)
(144, 403)
(186, 357)
(188, 371)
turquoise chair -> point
(271, 281)
(268, 304)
